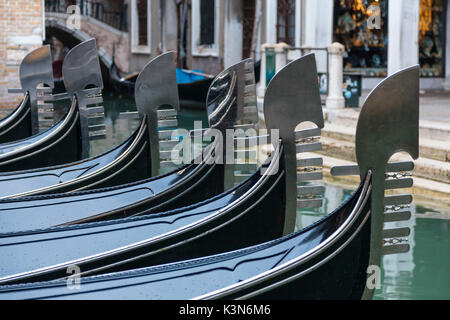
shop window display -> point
(432, 37)
(365, 46)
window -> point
(286, 22)
(365, 48)
(247, 27)
(205, 21)
(432, 37)
(140, 21)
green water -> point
(422, 273)
(118, 130)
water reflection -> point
(422, 273)
(119, 129)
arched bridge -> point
(97, 20)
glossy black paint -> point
(16, 125)
(193, 94)
(185, 186)
(59, 144)
(126, 163)
(249, 214)
(279, 269)
(59, 86)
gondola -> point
(68, 140)
(17, 125)
(192, 94)
(126, 163)
(194, 182)
(57, 145)
(252, 212)
(264, 271)
(326, 260)
(168, 236)
(35, 69)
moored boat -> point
(329, 259)
(126, 163)
(68, 140)
(194, 182)
(192, 94)
(150, 239)
(35, 69)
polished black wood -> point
(326, 260)
(57, 145)
(249, 214)
(190, 184)
(17, 125)
(126, 163)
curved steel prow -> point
(293, 97)
(231, 104)
(231, 97)
(81, 69)
(156, 86)
(35, 69)
(388, 123)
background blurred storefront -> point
(410, 32)
(432, 37)
(365, 49)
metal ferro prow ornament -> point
(388, 123)
(35, 69)
(156, 86)
(293, 97)
(81, 69)
(231, 104)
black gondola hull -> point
(327, 260)
(16, 125)
(188, 185)
(60, 144)
(193, 95)
(333, 275)
(256, 215)
(127, 163)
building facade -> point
(407, 32)
(21, 30)
(211, 35)
(380, 36)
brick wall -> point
(106, 38)
(20, 32)
(105, 35)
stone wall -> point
(21, 26)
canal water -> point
(422, 273)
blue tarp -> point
(186, 77)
